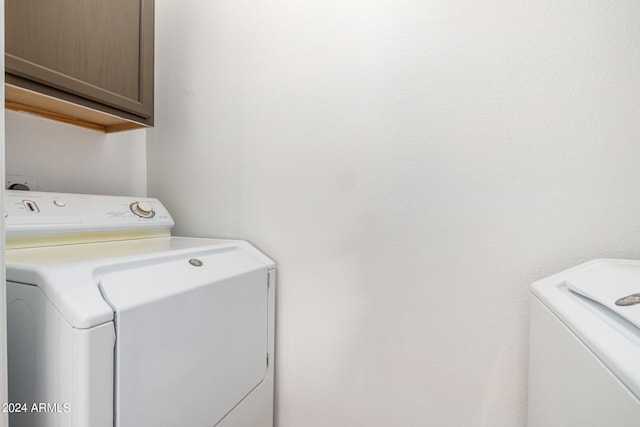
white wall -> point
(71, 159)
(411, 166)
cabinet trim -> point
(20, 99)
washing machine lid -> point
(615, 286)
(191, 336)
(583, 298)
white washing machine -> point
(114, 322)
(584, 352)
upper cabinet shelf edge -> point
(69, 55)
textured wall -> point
(411, 166)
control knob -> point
(142, 209)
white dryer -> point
(584, 352)
(114, 322)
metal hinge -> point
(267, 359)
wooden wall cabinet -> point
(86, 62)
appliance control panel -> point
(33, 213)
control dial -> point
(142, 209)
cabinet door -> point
(99, 50)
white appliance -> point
(114, 322)
(584, 352)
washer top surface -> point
(584, 299)
(67, 243)
(70, 275)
